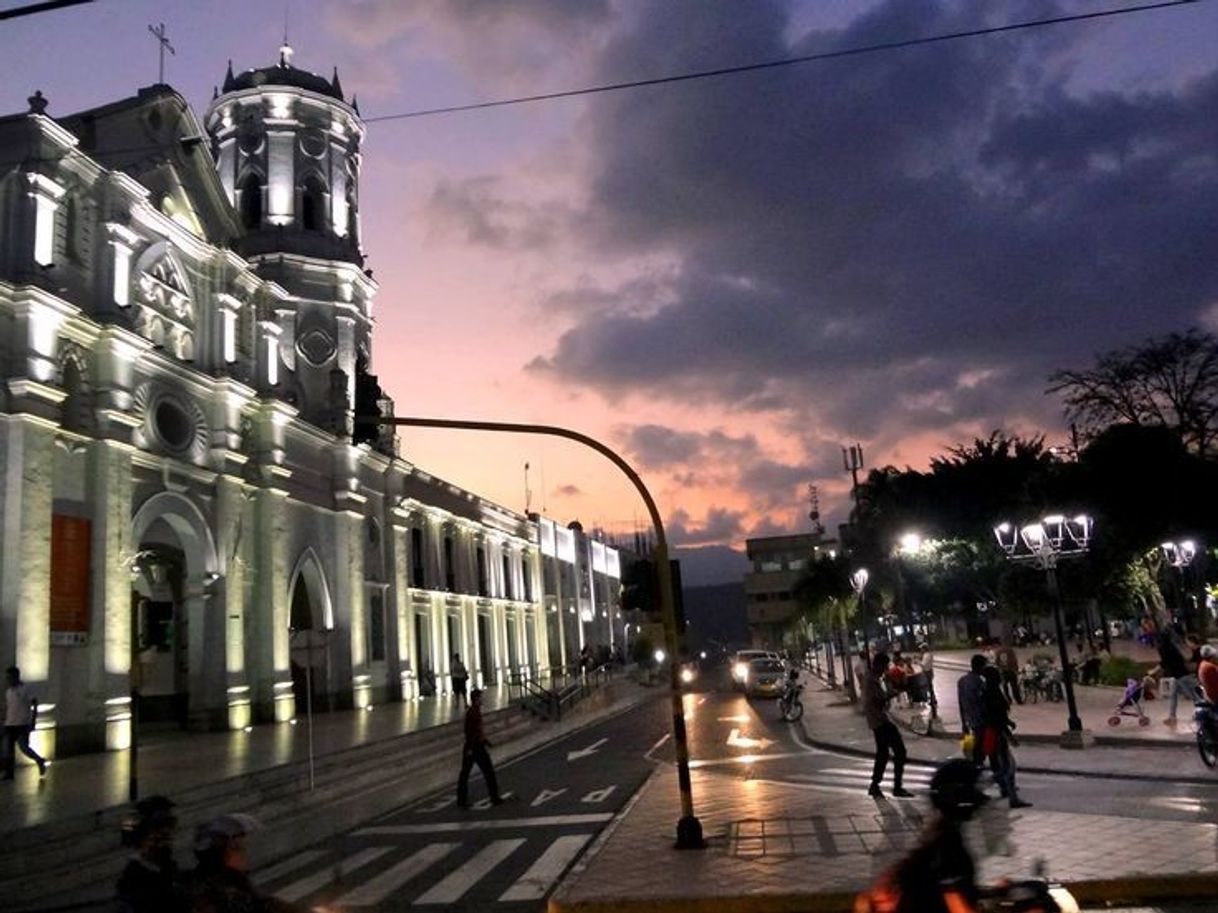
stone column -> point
(267, 622)
(25, 545)
(110, 648)
(399, 599)
(350, 616)
(235, 523)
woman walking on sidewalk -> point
(888, 739)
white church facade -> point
(184, 310)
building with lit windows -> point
(776, 563)
(185, 311)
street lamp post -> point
(1044, 542)
(1180, 555)
(689, 828)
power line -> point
(39, 8)
(786, 61)
(702, 74)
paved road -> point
(433, 856)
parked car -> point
(765, 677)
(740, 666)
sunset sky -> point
(727, 279)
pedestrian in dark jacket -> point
(475, 752)
(970, 688)
(995, 735)
(151, 882)
(888, 739)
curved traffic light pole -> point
(689, 829)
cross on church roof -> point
(163, 41)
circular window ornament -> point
(173, 424)
(313, 142)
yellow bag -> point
(967, 741)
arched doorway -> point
(310, 621)
(181, 680)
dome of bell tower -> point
(287, 147)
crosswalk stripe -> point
(534, 883)
(318, 880)
(390, 830)
(288, 865)
(453, 888)
(377, 889)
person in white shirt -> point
(18, 723)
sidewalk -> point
(780, 848)
(173, 762)
(832, 722)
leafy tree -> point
(1169, 381)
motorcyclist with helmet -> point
(151, 881)
(938, 875)
(220, 882)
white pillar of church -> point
(235, 523)
(27, 448)
(400, 598)
(271, 672)
(110, 628)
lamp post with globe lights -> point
(1044, 543)
(1180, 555)
(858, 583)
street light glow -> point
(911, 543)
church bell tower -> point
(287, 146)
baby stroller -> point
(1130, 705)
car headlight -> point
(742, 672)
(687, 676)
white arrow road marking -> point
(736, 740)
(585, 752)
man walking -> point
(888, 739)
(475, 752)
(460, 680)
(970, 692)
(19, 707)
(1173, 665)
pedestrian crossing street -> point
(376, 869)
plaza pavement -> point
(780, 847)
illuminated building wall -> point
(183, 509)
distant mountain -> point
(715, 615)
(710, 565)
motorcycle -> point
(1030, 896)
(790, 707)
(1206, 718)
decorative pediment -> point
(162, 286)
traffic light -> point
(639, 590)
(368, 396)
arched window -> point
(313, 204)
(251, 201)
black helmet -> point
(953, 789)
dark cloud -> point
(658, 446)
(474, 210)
(719, 525)
(911, 239)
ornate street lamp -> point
(1044, 543)
(1180, 555)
